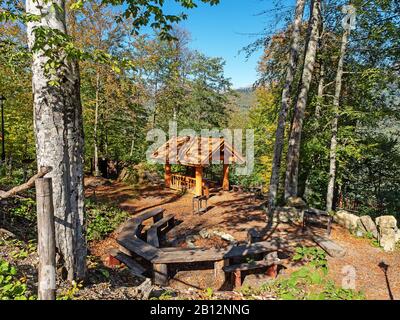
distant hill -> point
(246, 98)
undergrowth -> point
(309, 282)
(103, 219)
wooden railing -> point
(179, 182)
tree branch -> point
(25, 186)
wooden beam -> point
(160, 276)
(199, 181)
(225, 178)
(46, 239)
(167, 176)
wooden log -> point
(160, 271)
(237, 279)
(225, 179)
(167, 175)
(25, 186)
(219, 273)
(46, 239)
(199, 181)
(332, 248)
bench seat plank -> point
(250, 249)
(135, 267)
(192, 255)
(139, 247)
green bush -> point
(103, 219)
(10, 287)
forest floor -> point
(235, 213)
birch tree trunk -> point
(286, 101)
(59, 138)
(96, 121)
(292, 164)
(335, 120)
(320, 92)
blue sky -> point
(223, 30)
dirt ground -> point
(234, 213)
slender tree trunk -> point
(335, 120)
(286, 101)
(292, 165)
(320, 92)
(96, 121)
(59, 139)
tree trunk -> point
(96, 121)
(292, 165)
(335, 120)
(59, 139)
(286, 100)
(320, 92)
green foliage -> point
(314, 256)
(165, 295)
(308, 283)
(71, 292)
(10, 287)
(102, 219)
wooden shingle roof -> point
(197, 151)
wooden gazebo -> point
(197, 152)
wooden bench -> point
(236, 269)
(154, 231)
(311, 214)
(129, 240)
(200, 207)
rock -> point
(347, 220)
(296, 202)
(386, 222)
(388, 240)
(397, 236)
(367, 225)
(287, 214)
(388, 232)
(205, 234)
(360, 233)
(225, 236)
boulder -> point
(388, 232)
(287, 214)
(386, 222)
(388, 240)
(296, 202)
(346, 219)
(367, 225)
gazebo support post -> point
(167, 175)
(225, 179)
(199, 181)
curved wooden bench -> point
(129, 238)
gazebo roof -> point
(196, 151)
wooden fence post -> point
(46, 239)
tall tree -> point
(292, 165)
(59, 134)
(286, 101)
(335, 120)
